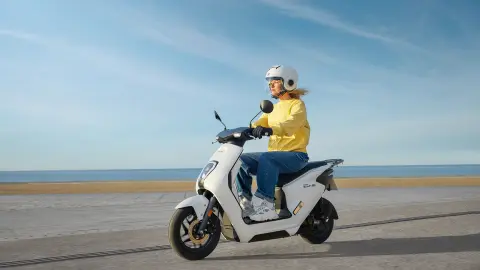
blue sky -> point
(133, 84)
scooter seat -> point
(285, 178)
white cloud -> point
(127, 69)
(328, 19)
(187, 36)
(56, 111)
(390, 141)
(149, 81)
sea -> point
(190, 174)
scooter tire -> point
(316, 237)
(178, 246)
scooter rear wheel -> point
(181, 231)
(319, 233)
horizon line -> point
(199, 168)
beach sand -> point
(186, 186)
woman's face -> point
(275, 87)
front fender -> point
(198, 202)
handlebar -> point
(267, 132)
(249, 131)
(240, 133)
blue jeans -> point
(267, 166)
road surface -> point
(46, 226)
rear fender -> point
(326, 179)
(199, 204)
(327, 209)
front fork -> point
(206, 216)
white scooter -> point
(200, 220)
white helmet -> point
(288, 75)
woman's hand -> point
(260, 131)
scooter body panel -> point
(295, 193)
(221, 182)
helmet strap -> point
(281, 92)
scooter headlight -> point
(205, 172)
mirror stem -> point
(250, 126)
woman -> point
(289, 133)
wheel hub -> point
(192, 233)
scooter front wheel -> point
(183, 238)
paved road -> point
(91, 223)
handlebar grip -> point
(266, 132)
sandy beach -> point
(186, 186)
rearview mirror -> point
(266, 106)
(219, 119)
(217, 116)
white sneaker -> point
(264, 210)
(246, 206)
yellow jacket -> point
(291, 130)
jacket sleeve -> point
(262, 121)
(296, 120)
